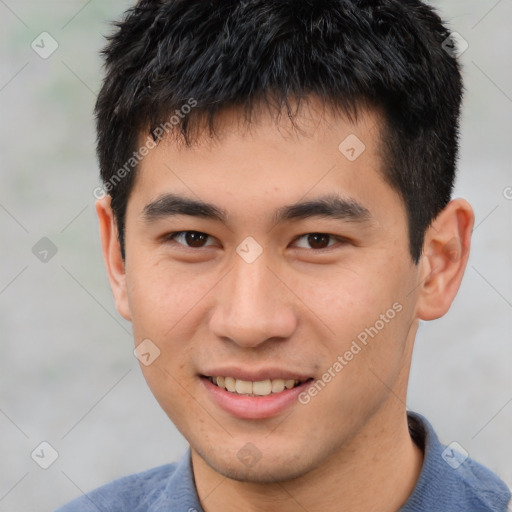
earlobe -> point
(111, 249)
(444, 259)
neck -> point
(376, 471)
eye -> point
(316, 241)
(192, 239)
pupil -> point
(195, 239)
(316, 240)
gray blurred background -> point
(67, 371)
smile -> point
(254, 388)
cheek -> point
(367, 320)
(161, 296)
(174, 394)
(343, 299)
(168, 308)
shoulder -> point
(482, 488)
(134, 492)
(450, 479)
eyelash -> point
(173, 236)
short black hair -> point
(218, 54)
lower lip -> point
(253, 407)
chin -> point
(263, 474)
(264, 470)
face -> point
(270, 259)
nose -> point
(252, 305)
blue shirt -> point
(448, 482)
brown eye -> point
(315, 241)
(195, 239)
(318, 240)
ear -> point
(444, 259)
(112, 255)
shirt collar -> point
(180, 493)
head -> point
(279, 178)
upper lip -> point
(255, 375)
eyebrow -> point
(330, 206)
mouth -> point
(259, 388)
(255, 393)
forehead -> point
(271, 161)
(311, 120)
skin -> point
(296, 307)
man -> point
(277, 219)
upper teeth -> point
(259, 388)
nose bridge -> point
(250, 284)
(252, 307)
